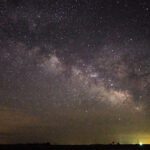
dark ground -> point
(73, 147)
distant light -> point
(141, 144)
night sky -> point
(74, 71)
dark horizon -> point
(74, 147)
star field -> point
(74, 72)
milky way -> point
(74, 72)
